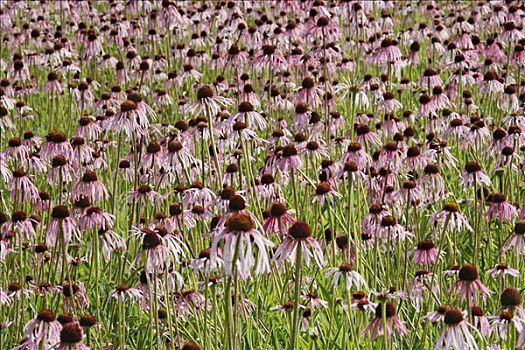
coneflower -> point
(279, 220)
(457, 331)
(385, 323)
(469, 287)
(346, 272)
(238, 236)
(71, 337)
(61, 226)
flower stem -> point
(296, 315)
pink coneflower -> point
(189, 301)
(436, 315)
(323, 29)
(414, 160)
(426, 107)
(508, 102)
(456, 130)
(222, 201)
(207, 103)
(472, 173)
(21, 187)
(309, 93)
(52, 84)
(450, 214)
(457, 331)
(197, 194)
(306, 319)
(518, 55)
(248, 95)
(511, 33)
(267, 188)
(4, 251)
(313, 149)
(106, 101)
(71, 337)
(502, 322)
(516, 241)
(302, 116)
(129, 120)
(430, 79)
(92, 45)
(15, 292)
(389, 157)
(20, 224)
(271, 57)
(179, 218)
(162, 98)
(371, 221)
(510, 299)
(19, 71)
(249, 116)
(314, 300)
(144, 195)
(61, 226)
(45, 288)
(279, 220)
(390, 230)
(361, 302)
(409, 193)
(178, 154)
(425, 253)
(202, 264)
(239, 235)
(432, 184)
(110, 242)
(89, 187)
(469, 286)
(491, 84)
(350, 170)
(350, 277)
(499, 209)
(440, 101)
(393, 324)
(389, 104)
(87, 128)
(60, 172)
(56, 144)
(173, 241)
(96, 218)
(152, 158)
(123, 293)
(501, 270)
(16, 150)
(299, 234)
(480, 321)
(421, 284)
(242, 133)
(74, 294)
(44, 330)
(287, 307)
(290, 160)
(155, 252)
(235, 56)
(324, 193)
(83, 151)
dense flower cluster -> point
(262, 174)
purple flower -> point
(393, 324)
(457, 331)
(299, 234)
(468, 286)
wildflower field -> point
(262, 175)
